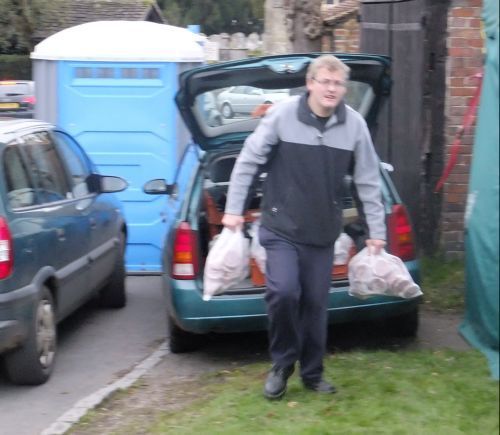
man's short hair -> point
(328, 61)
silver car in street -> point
(245, 99)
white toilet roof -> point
(122, 41)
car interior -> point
(216, 182)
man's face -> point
(326, 90)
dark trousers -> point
(298, 280)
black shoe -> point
(320, 387)
(275, 386)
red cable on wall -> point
(466, 124)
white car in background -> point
(17, 98)
(243, 100)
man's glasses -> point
(327, 83)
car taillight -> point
(401, 241)
(29, 99)
(185, 257)
(6, 254)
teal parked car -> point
(208, 162)
(62, 241)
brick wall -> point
(465, 59)
(343, 36)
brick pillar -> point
(343, 35)
(351, 39)
(465, 59)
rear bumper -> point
(19, 114)
(16, 310)
(257, 320)
(242, 313)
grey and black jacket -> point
(306, 162)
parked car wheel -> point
(227, 111)
(403, 325)
(182, 341)
(113, 295)
(32, 363)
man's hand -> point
(375, 246)
(233, 221)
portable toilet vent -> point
(111, 84)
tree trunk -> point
(304, 25)
(275, 28)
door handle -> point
(93, 223)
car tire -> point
(113, 294)
(227, 111)
(181, 341)
(404, 325)
(33, 362)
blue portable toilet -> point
(111, 84)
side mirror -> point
(105, 184)
(160, 187)
(111, 184)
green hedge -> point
(15, 66)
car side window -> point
(46, 167)
(78, 166)
(20, 190)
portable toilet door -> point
(111, 84)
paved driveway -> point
(96, 347)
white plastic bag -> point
(257, 251)
(380, 274)
(343, 246)
(227, 262)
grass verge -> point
(443, 283)
(425, 392)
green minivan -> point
(62, 241)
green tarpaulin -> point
(480, 326)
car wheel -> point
(181, 341)
(33, 362)
(404, 325)
(227, 111)
(113, 295)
